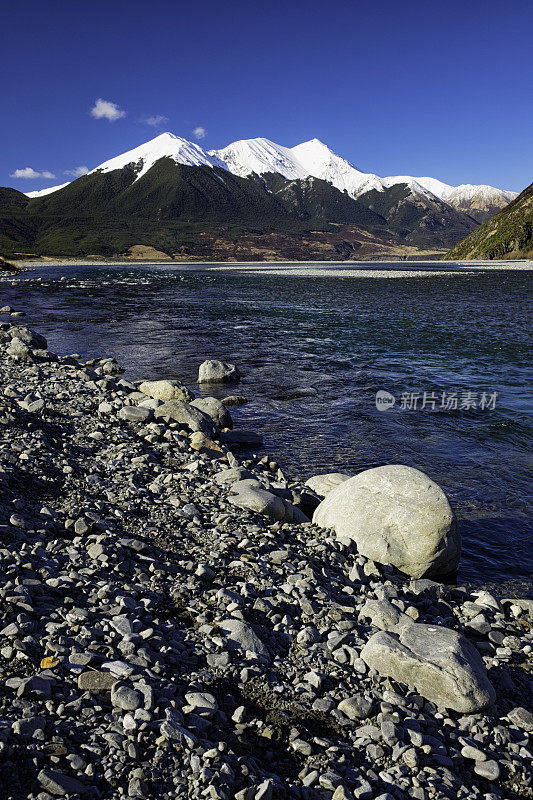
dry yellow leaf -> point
(49, 662)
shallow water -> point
(348, 338)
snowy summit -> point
(309, 159)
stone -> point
(244, 636)
(203, 703)
(356, 707)
(441, 664)
(213, 371)
(96, 681)
(251, 495)
(135, 413)
(31, 338)
(232, 475)
(214, 409)
(173, 729)
(18, 349)
(490, 770)
(59, 785)
(397, 516)
(126, 698)
(323, 484)
(188, 416)
(201, 442)
(342, 793)
(234, 401)
(385, 616)
(27, 726)
(166, 390)
(473, 753)
(522, 718)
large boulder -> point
(439, 663)
(166, 390)
(187, 415)
(323, 484)
(214, 409)
(396, 515)
(213, 371)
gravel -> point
(159, 642)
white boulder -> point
(396, 515)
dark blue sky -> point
(420, 88)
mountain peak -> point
(312, 158)
(260, 156)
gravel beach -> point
(174, 626)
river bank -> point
(158, 641)
(345, 269)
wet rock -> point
(214, 409)
(240, 438)
(213, 371)
(234, 400)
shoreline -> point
(341, 269)
(178, 620)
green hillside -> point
(419, 220)
(177, 209)
(506, 235)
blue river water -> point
(453, 350)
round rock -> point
(396, 515)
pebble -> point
(156, 641)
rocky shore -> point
(174, 626)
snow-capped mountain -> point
(316, 159)
(321, 162)
(309, 159)
(44, 192)
(466, 197)
(260, 156)
(166, 145)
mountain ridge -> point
(170, 195)
(308, 159)
(506, 235)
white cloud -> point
(155, 121)
(105, 109)
(199, 132)
(29, 172)
(77, 172)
